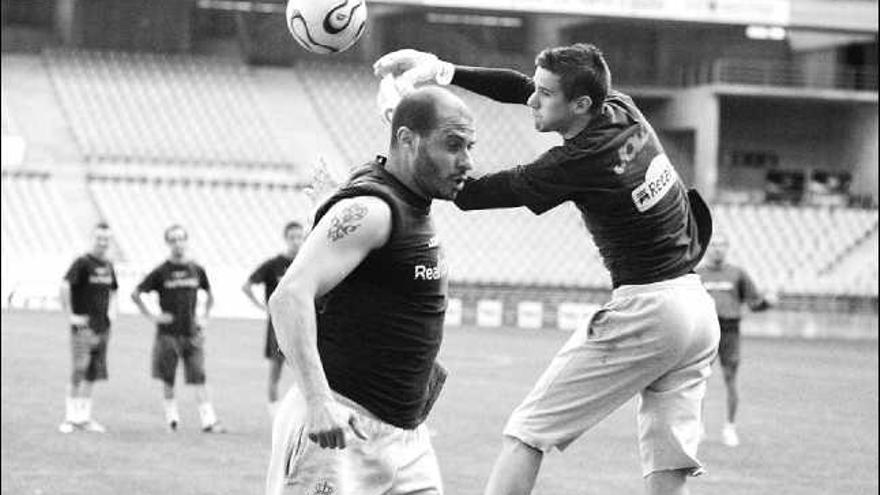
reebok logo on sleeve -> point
(659, 179)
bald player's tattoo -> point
(345, 224)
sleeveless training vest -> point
(380, 329)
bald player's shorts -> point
(392, 461)
(656, 341)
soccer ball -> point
(326, 26)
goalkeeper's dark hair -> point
(417, 112)
(581, 69)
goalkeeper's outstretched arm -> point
(502, 85)
(411, 68)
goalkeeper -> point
(657, 336)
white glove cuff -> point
(445, 73)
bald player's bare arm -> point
(346, 234)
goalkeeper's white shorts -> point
(392, 461)
(655, 341)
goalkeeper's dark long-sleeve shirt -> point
(646, 225)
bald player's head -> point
(432, 136)
(422, 111)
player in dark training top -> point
(88, 294)
(657, 336)
(731, 288)
(268, 274)
(365, 364)
(179, 329)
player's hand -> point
(163, 318)
(411, 68)
(198, 337)
(322, 185)
(79, 320)
(202, 321)
(329, 423)
(400, 61)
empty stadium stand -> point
(13, 145)
(235, 223)
(793, 249)
(181, 139)
(161, 108)
(34, 220)
(37, 235)
(516, 247)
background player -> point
(268, 274)
(365, 366)
(180, 332)
(731, 287)
(88, 296)
(658, 334)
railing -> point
(780, 74)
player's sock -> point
(172, 416)
(79, 410)
(90, 424)
(207, 415)
(272, 407)
(70, 409)
(729, 436)
(86, 405)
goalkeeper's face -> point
(443, 160)
(552, 111)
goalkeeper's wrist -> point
(445, 73)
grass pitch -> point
(808, 419)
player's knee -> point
(77, 376)
(167, 388)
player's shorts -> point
(89, 352)
(656, 341)
(728, 348)
(392, 461)
(168, 349)
(272, 350)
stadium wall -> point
(154, 25)
(695, 111)
(861, 133)
(804, 134)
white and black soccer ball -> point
(326, 26)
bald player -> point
(731, 287)
(365, 365)
(657, 336)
